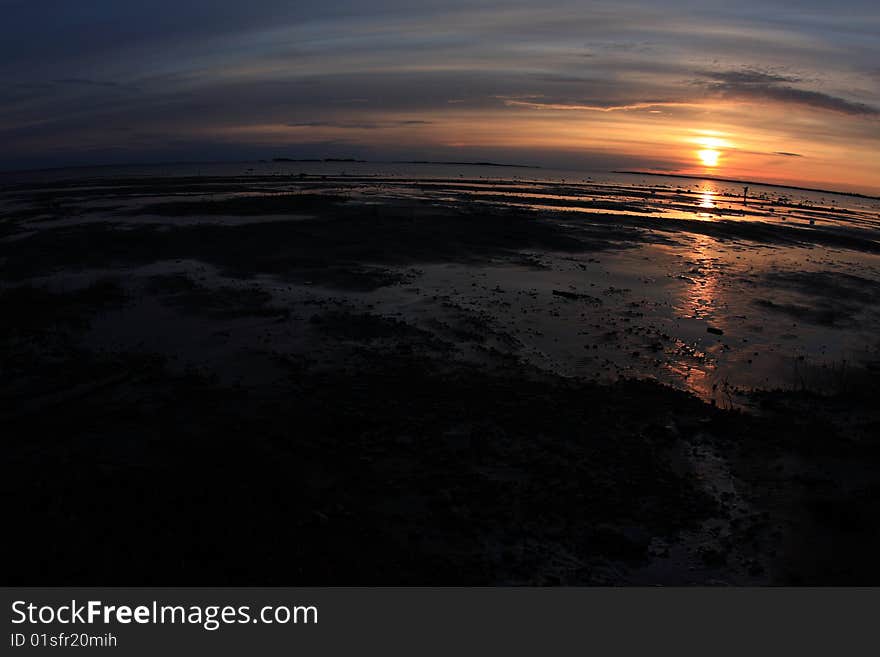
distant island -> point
(470, 164)
(749, 182)
(326, 159)
(353, 160)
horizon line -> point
(331, 160)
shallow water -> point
(700, 300)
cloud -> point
(755, 85)
(359, 125)
(594, 106)
(88, 83)
(750, 76)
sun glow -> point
(709, 157)
(710, 153)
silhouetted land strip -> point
(326, 159)
(471, 164)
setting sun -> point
(709, 157)
(710, 153)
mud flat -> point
(362, 380)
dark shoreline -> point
(469, 164)
(274, 160)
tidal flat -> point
(308, 379)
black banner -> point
(419, 621)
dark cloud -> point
(805, 97)
(88, 83)
(761, 85)
(359, 125)
(749, 76)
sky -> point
(759, 89)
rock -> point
(573, 296)
(714, 330)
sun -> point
(711, 147)
(709, 157)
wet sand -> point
(364, 380)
